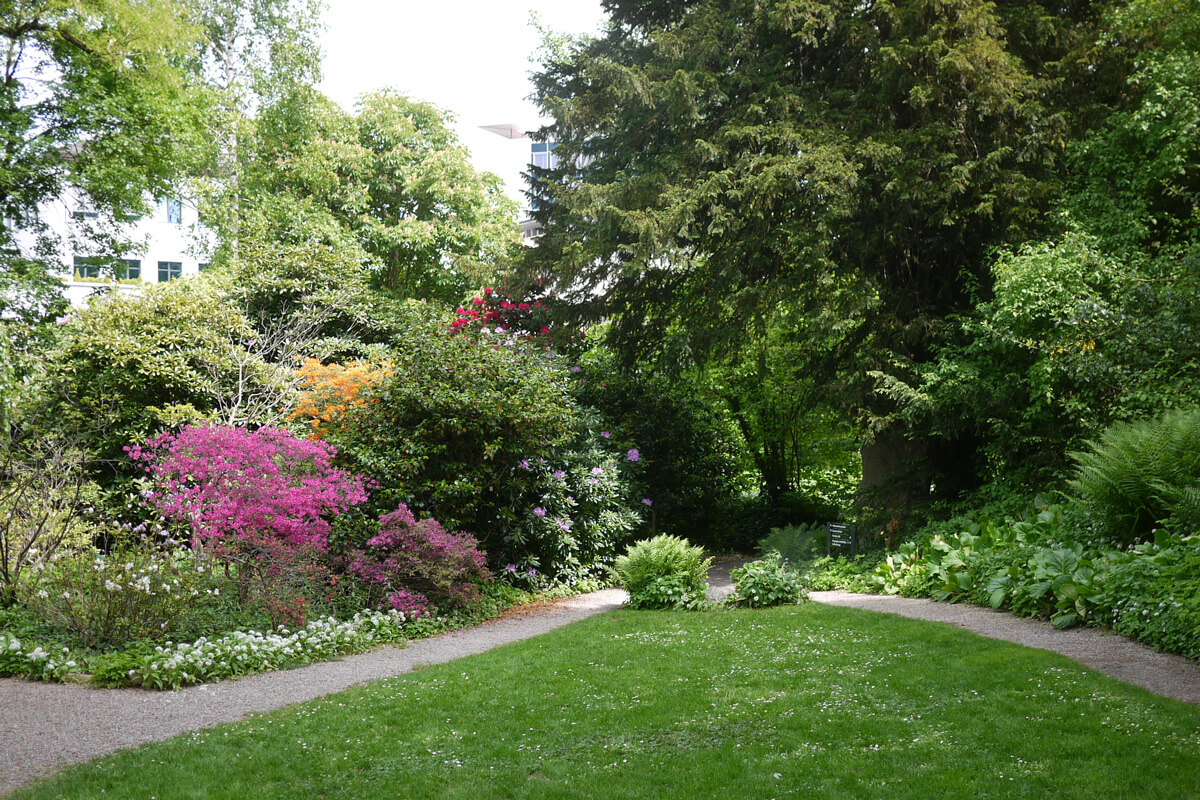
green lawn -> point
(808, 702)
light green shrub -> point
(663, 572)
(1139, 475)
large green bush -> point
(1138, 475)
(126, 367)
(663, 572)
(693, 460)
(484, 434)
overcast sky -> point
(467, 56)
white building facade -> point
(168, 244)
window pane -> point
(87, 267)
(169, 270)
(130, 269)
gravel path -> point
(1123, 659)
(46, 726)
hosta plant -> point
(764, 583)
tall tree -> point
(390, 177)
(94, 96)
(855, 160)
(256, 53)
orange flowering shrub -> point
(330, 390)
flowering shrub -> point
(764, 583)
(412, 563)
(330, 390)
(244, 653)
(225, 480)
(580, 515)
(497, 310)
(115, 597)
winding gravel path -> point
(46, 726)
(1124, 659)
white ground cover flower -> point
(242, 653)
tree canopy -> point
(845, 170)
(94, 97)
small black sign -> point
(841, 535)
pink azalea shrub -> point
(229, 481)
(412, 564)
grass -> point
(810, 702)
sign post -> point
(839, 534)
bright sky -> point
(470, 57)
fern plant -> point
(663, 572)
(1139, 475)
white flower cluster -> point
(35, 663)
(239, 653)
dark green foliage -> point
(1142, 474)
(795, 543)
(691, 461)
(744, 179)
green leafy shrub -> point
(663, 572)
(128, 594)
(795, 543)
(125, 368)
(1141, 474)
(43, 494)
(764, 583)
(484, 434)
(849, 575)
(693, 461)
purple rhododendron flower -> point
(523, 463)
(597, 471)
(605, 434)
(592, 481)
(633, 455)
(512, 568)
(576, 369)
(558, 473)
(539, 512)
(646, 500)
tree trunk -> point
(895, 475)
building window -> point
(543, 155)
(81, 214)
(129, 269)
(173, 209)
(169, 270)
(87, 268)
(204, 266)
